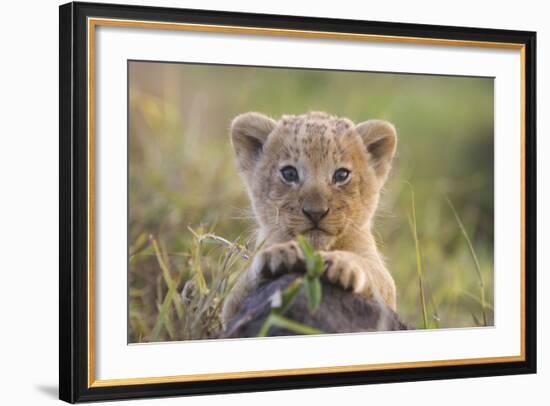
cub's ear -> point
(249, 131)
(380, 139)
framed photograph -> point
(257, 202)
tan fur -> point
(317, 145)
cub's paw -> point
(278, 259)
(349, 274)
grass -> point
(418, 261)
(189, 296)
(308, 285)
(191, 303)
(184, 190)
(476, 263)
(276, 320)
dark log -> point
(340, 311)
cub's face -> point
(313, 174)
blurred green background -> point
(182, 174)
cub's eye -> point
(341, 175)
(290, 174)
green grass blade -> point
(312, 287)
(418, 260)
(290, 293)
(476, 262)
(275, 320)
(163, 312)
(283, 322)
(196, 256)
(166, 275)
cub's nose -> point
(315, 214)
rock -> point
(340, 311)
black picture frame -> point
(73, 255)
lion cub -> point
(319, 176)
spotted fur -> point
(317, 145)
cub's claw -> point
(348, 274)
(279, 259)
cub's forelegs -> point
(365, 275)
